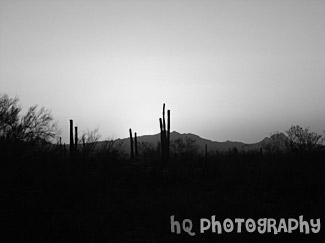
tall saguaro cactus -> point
(71, 137)
(135, 144)
(165, 136)
(131, 144)
(60, 144)
(76, 138)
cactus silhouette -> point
(135, 144)
(64, 150)
(76, 138)
(165, 137)
(60, 144)
(71, 137)
(131, 144)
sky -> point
(227, 70)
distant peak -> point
(174, 132)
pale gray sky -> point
(228, 70)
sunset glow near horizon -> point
(227, 70)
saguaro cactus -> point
(135, 144)
(71, 137)
(60, 144)
(76, 138)
(165, 136)
(131, 144)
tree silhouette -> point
(89, 140)
(302, 139)
(35, 125)
(277, 143)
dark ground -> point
(47, 197)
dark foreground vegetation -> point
(48, 195)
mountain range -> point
(212, 146)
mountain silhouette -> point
(213, 146)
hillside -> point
(213, 146)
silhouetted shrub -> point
(276, 143)
(303, 140)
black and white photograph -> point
(162, 121)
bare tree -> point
(89, 140)
(9, 115)
(303, 139)
(35, 125)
